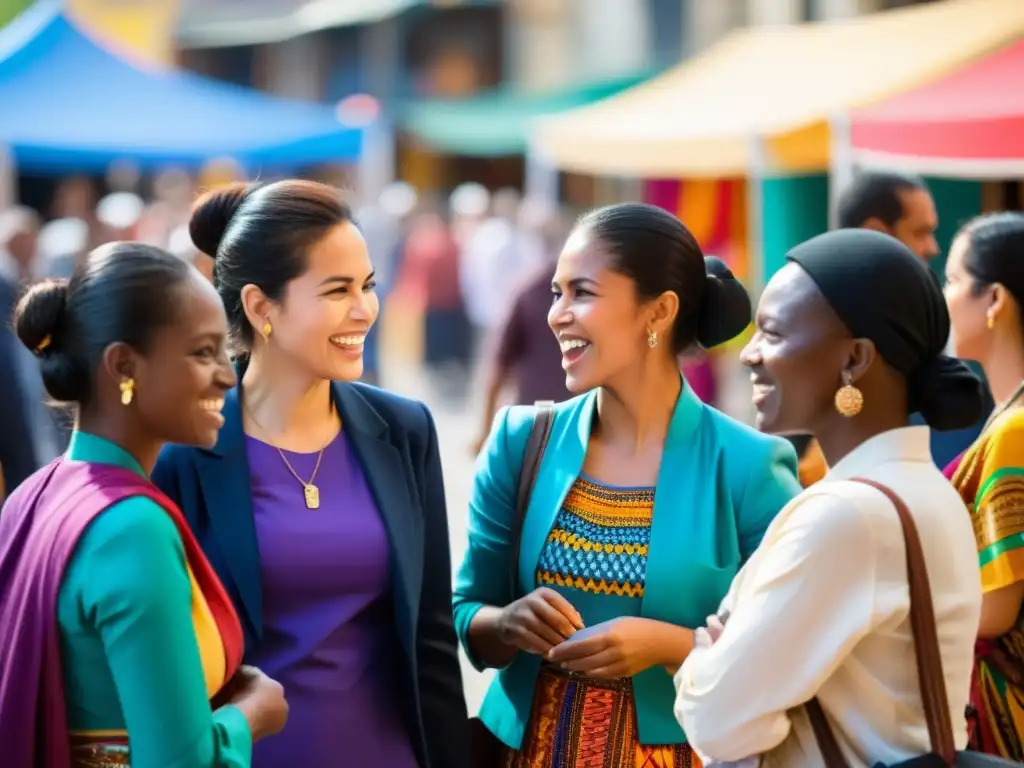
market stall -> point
(757, 106)
(69, 104)
(969, 124)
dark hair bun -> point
(947, 394)
(40, 312)
(212, 213)
(38, 321)
(726, 310)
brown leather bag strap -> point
(826, 738)
(926, 648)
(925, 630)
(535, 447)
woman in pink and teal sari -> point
(985, 294)
(115, 634)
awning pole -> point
(755, 215)
(540, 182)
(8, 179)
(841, 163)
(375, 167)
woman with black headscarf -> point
(849, 342)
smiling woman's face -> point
(327, 311)
(796, 356)
(182, 379)
(595, 315)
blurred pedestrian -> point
(431, 266)
(19, 245)
(118, 215)
(498, 254)
(181, 245)
(384, 225)
(525, 356)
(33, 434)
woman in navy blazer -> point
(646, 504)
(322, 505)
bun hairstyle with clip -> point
(259, 234)
(122, 292)
(656, 250)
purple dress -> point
(328, 627)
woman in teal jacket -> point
(646, 504)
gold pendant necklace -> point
(310, 493)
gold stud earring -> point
(127, 391)
(990, 321)
(266, 330)
(849, 399)
(652, 339)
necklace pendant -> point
(312, 494)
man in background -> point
(896, 204)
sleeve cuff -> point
(235, 735)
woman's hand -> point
(261, 700)
(707, 636)
(538, 622)
(617, 648)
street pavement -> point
(457, 426)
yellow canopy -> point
(778, 83)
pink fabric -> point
(700, 375)
(952, 467)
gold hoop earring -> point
(849, 400)
(127, 391)
(652, 339)
(266, 330)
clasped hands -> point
(545, 623)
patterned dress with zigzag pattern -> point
(596, 555)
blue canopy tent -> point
(68, 104)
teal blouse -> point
(719, 486)
(130, 658)
(596, 553)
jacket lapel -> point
(388, 470)
(685, 515)
(224, 478)
(563, 461)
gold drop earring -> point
(849, 400)
(990, 322)
(652, 339)
(127, 387)
(266, 330)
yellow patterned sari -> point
(990, 479)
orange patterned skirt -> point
(579, 722)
